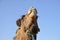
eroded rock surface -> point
(27, 26)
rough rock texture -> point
(27, 26)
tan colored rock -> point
(27, 26)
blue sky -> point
(48, 17)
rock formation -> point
(27, 26)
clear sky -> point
(48, 17)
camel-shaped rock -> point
(27, 26)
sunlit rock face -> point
(27, 26)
